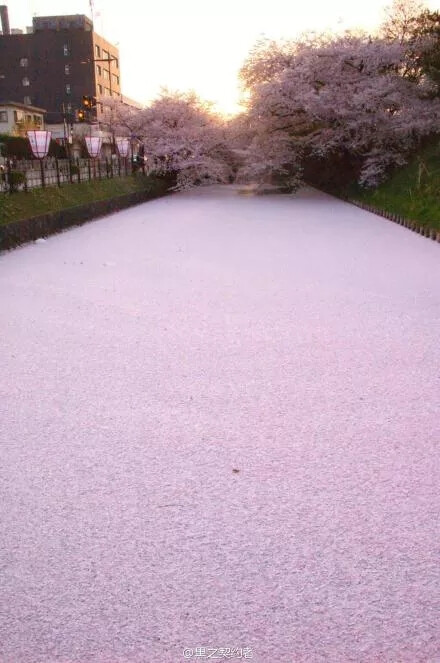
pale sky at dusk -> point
(197, 44)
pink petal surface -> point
(147, 355)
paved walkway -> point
(220, 427)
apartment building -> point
(55, 63)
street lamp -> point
(123, 145)
(40, 143)
(93, 144)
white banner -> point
(93, 144)
(123, 145)
(40, 142)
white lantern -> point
(93, 144)
(40, 142)
(123, 145)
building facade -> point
(16, 118)
(55, 63)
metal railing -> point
(24, 175)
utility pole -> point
(109, 60)
(67, 130)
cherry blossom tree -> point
(121, 118)
(329, 96)
(364, 101)
(182, 136)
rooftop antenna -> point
(95, 16)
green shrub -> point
(19, 147)
(15, 179)
(412, 191)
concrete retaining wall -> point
(18, 232)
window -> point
(25, 81)
(67, 69)
(106, 74)
(97, 51)
(28, 118)
(27, 101)
(3, 116)
(107, 91)
(69, 107)
(105, 54)
(24, 62)
(68, 90)
(66, 50)
(100, 89)
(98, 69)
(37, 120)
(18, 116)
(116, 63)
(115, 79)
